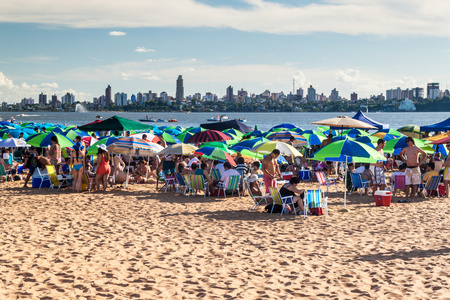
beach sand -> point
(143, 244)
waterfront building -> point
(353, 96)
(433, 91)
(300, 93)
(133, 98)
(407, 105)
(163, 96)
(311, 93)
(108, 98)
(334, 95)
(42, 99)
(417, 93)
(139, 98)
(120, 99)
(54, 101)
(68, 98)
(180, 90)
(230, 96)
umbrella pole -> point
(345, 186)
(128, 172)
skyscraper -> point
(230, 94)
(311, 93)
(433, 90)
(108, 96)
(42, 99)
(334, 95)
(180, 90)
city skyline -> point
(366, 48)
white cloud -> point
(117, 33)
(143, 49)
(5, 82)
(52, 85)
(377, 17)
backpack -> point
(277, 208)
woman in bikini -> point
(103, 168)
(78, 161)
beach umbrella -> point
(219, 145)
(285, 136)
(350, 151)
(13, 143)
(173, 131)
(115, 123)
(170, 139)
(396, 145)
(444, 140)
(438, 137)
(15, 133)
(107, 140)
(185, 136)
(6, 123)
(208, 136)
(342, 137)
(234, 132)
(89, 140)
(250, 143)
(391, 131)
(215, 154)
(385, 136)
(283, 126)
(316, 132)
(368, 140)
(411, 130)
(179, 149)
(256, 133)
(73, 133)
(354, 133)
(343, 122)
(314, 139)
(268, 147)
(42, 140)
(249, 155)
(150, 137)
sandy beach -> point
(143, 244)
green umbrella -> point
(411, 130)
(93, 149)
(42, 140)
(235, 132)
(218, 145)
(396, 145)
(115, 123)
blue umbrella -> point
(284, 125)
(15, 133)
(250, 143)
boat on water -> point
(242, 120)
(98, 117)
(172, 120)
(147, 120)
(218, 118)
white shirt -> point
(193, 160)
(360, 170)
(220, 167)
(226, 176)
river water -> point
(264, 121)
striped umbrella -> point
(285, 136)
(208, 136)
(216, 154)
(179, 149)
(129, 145)
(107, 140)
(150, 137)
(42, 140)
(268, 147)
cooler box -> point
(383, 198)
(287, 176)
(36, 180)
(441, 188)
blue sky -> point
(354, 46)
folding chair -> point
(233, 184)
(215, 173)
(42, 177)
(90, 181)
(181, 180)
(358, 183)
(4, 172)
(324, 181)
(257, 200)
(315, 199)
(170, 180)
(283, 201)
(197, 183)
(432, 184)
(399, 183)
(55, 180)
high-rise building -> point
(55, 101)
(68, 99)
(42, 99)
(180, 90)
(334, 95)
(311, 94)
(163, 96)
(133, 98)
(433, 90)
(353, 96)
(120, 99)
(230, 94)
(108, 99)
(417, 93)
(300, 93)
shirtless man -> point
(412, 173)
(324, 143)
(446, 165)
(271, 169)
(379, 179)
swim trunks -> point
(412, 176)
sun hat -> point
(253, 178)
(103, 147)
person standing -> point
(271, 169)
(413, 161)
(446, 166)
(379, 178)
(103, 168)
(55, 154)
(78, 161)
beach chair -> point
(42, 177)
(358, 183)
(170, 180)
(399, 183)
(181, 181)
(257, 200)
(55, 180)
(233, 184)
(314, 199)
(432, 184)
(324, 181)
(88, 181)
(283, 201)
(4, 172)
(196, 183)
(215, 174)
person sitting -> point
(366, 175)
(229, 171)
(182, 169)
(401, 171)
(429, 173)
(290, 189)
(66, 167)
(142, 172)
(438, 162)
(202, 171)
(241, 167)
(350, 170)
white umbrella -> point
(13, 143)
(268, 147)
(343, 122)
(179, 149)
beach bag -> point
(316, 211)
(277, 208)
(217, 193)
